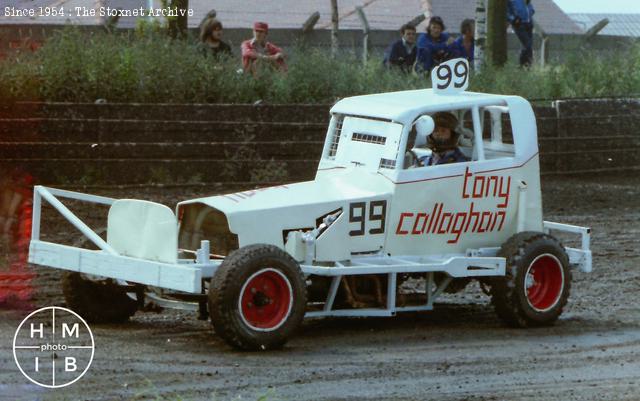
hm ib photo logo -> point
(53, 347)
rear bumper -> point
(579, 257)
(179, 277)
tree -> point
(496, 47)
(177, 26)
(334, 28)
(480, 34)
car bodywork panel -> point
(265, 215)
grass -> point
(146, 67)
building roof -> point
(547, 14)
(619, 24)
(383, 15)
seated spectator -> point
(211, 38)
(257, 51)
(402, 53)
(433, 46)
(520, 16)
(464, 46)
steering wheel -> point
(414, 160)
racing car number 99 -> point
(376, 217)
(451, 76)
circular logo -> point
(53, 347)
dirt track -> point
(458, 352)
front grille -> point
(335, 139)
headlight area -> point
(199, 222)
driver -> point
(443, 142)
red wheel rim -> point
(265, 300)
(544, 282)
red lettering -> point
(503, 215)
(415, 224)
(495, 220)
(230, 197)
(505, 194)
(478, 194)
(437, 218)
(433, 214)
(472, 214)
(492, 221)
(493, 178)
(399, 230)
(464, 185)
(445, 215)
(457, 230)
(452, 222)
(481, 229)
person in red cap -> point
(258, 51)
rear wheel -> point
(257, 298)
(98, 301)
(537, 282)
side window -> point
(489, 137)
(418, 144)
(497, 134)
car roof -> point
(404, 106)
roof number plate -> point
(450, 77)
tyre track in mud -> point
(460, 351)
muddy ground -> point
(460, 351)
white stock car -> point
(372, 235)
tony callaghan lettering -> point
(96, 12)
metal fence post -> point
(365, 31)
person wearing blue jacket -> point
(402, 53)
(433, 46)
(520, 16)
(464, 46)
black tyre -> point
(98, 301)
(537, 282)
(257, 298)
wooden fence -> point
(88, 145)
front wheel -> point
(537, 282)
(257, 298)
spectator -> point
(433, 46)
(211, 38)
(258, 51)
(464, 46)
(520, 16)
(402, 53)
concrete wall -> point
(29, 37)
(241, 146)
